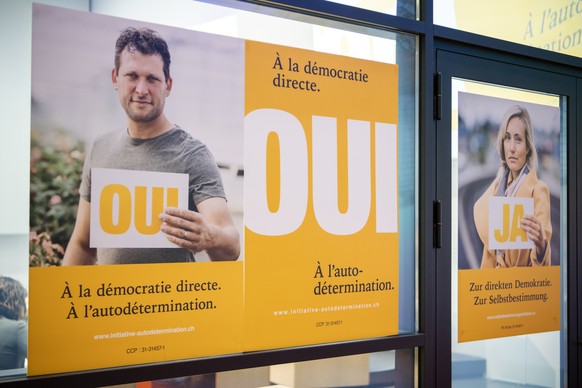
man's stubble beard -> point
(143, 116)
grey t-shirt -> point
(173, 151)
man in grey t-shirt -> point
(151, 142)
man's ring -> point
(185, 234)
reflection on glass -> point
(382, 369)
(552, 26)
(340, 39)
(13, 324)
(479, 157)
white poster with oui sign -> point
(505, 215)
(125, 207)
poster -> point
(305, 145)
(321, 206)
(509, 207)
(141, 302)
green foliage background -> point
(56, 164)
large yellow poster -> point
(247, 199)
(321, 214)
(509, 274)
(136, 211)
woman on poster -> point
(517, 177)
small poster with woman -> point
(509, 217)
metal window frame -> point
(427, 341)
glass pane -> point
(403, 8)
(382, 369)
(508, 273)
(303, 32)
(553, 26)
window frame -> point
(425, 340)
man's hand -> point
(210, 230)
(187, 229)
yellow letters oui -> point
(109, 213)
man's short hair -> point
(145, 41)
